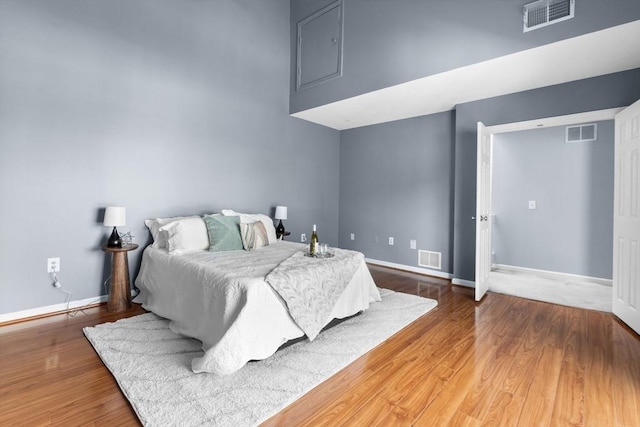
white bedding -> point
(221, 299)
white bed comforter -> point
(222, 299)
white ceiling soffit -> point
(594, 54)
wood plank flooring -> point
(503, 361)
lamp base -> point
(114, 240)
(280, 230)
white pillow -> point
(249, 218)
(160, 241)
(229, 212)
(186, 235)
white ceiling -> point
(602, 52)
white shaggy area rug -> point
(152, 365)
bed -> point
(241, 303)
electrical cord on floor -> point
(90, 303)
(104, 285)
(58, 286)
(74, 312)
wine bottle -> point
(313, 246)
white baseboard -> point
(49, 309)
(560, 276)
(463, 282)
(410, 268)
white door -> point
(626, 218)
(483, 211)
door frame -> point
(565, 120)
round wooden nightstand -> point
(119, 291)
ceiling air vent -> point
(430, 259)
(581, 133)
(546, 12)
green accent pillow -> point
(224, 233)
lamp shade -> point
(115, 216)
(281, 212)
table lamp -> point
(281, 213)
(115, 216)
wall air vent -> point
(581, 133)
(546, 12)
(430, 259)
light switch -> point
(532, 204)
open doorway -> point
(552, 216)
(493, 131)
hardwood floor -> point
(503, 361)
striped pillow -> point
(254, 235)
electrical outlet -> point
(303, 237)
(53, 265)
(391, 241)
(412, 244)
(353, 236)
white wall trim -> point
(569, 119)
(419, 270)
(49, 309)
(463, 282)
(554, 274)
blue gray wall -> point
(610, 91)
(394, 177)
(571, 229)
(180, 107)
(396, 180)
(387, 42)
(165, 107)
(391, 42)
